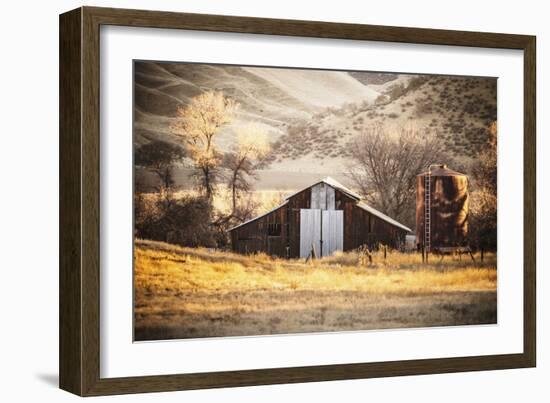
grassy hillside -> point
(455, 109)
(185, 293)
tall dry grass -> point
(163, 266)
(191, 286)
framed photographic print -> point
(250, 201)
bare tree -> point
(483, 196)
(276, 198)
(159, 157)
(197, 124)
(385, 165)
(245, 158)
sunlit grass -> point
(219, 293)
(185, 269)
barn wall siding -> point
(254, 238)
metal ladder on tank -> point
(427, 209)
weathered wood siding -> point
(255, 237)
(364, 228)
(297, 202)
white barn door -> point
(316, 223)
(310, 231)
(333, 231)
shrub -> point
(381, 99)
(423, 107)
(416, 82)
(184, 221)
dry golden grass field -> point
(187, 293)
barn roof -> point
(331, 182)
(337, 185)
(383, 216)
(258, 217)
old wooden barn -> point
(325, 216)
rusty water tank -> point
(445, 208)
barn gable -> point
(260, 216)
(333, 183)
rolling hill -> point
(273, 97)
(311, 115)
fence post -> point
(423, 253)
(426, 252)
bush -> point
(381, 99)
(184, 221)
(416, 82)
(396, 91)
(423, 107)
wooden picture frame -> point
(80, 199)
